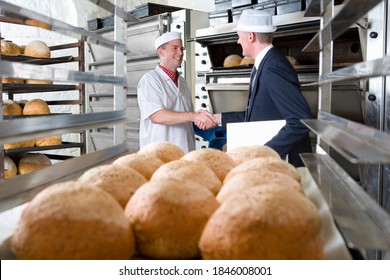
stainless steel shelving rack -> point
(361, 209)
(20, 189)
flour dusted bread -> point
(10, 168)
(185, 170)
(232, 60)
(145, 164)
(254, 179)
(241, 154)
(166, 151)
(216, 160)
(48, 141)
(168, 217)
(119, 181)
(37, 49)
(265, 163)
(71, 220)
(36, 107)
(274, 223)
(12, 108)
(32, 162)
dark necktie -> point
(251, 86)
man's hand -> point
(204, 120)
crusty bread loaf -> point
(10, 48)
(32, 162)
(20, 145)
(265, 164)
(217, 160)
(268, 223)
(12, 108)
(15, 48)
(189, 170)
(166, 151)
(41, 82)
(143, 163)
(36, 107)
(168, 217)
(48, 141)
(38, 23)
(247, 61)
(255, 178)
(242, 154)
(119, 181)
(70, 220)
(10, 169)
(37, 49)
(6, 47)
(232, 60)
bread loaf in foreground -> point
(274, 222)
(73, 221)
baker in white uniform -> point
(165, 101)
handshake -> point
(205, 120)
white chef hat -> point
(255, 21)
(165, 38)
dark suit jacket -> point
(277, 95)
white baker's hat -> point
(255, 21)
(166, 37)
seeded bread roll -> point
(36, 107)
(48, 141)
(242, 154)
(73, 221)
(20, 145)
(265, 164)
(269, 223)
(32, 162)
(183, 170)
(232, 60)
(166, 151)
(216, 160)
(12, 108)
(168, 217)
(242, 181)
(119, 181)
(10, 169)
(37, 49)
(144, 164)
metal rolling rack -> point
(22, 188)
(361, 209)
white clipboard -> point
(251, 133)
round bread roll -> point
(216, 160)
(247, 61)
(37, 49)
(20, 145)
(15, 48)
(292, 60)
(10, 169)
(6, 47)
(242, 154)
(168, 217)
(255, 178)
(265, 164)
(48, 141)
(274, 222)
(119, 181)
(36, 107)
(70, 220)
(10, 48)
(145, 164)
(183, 170)
(166, 151)
(32, 162)
(232, 60)
(12, 108)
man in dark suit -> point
(274, 91)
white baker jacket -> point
(156, 91)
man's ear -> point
(252, 37)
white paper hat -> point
(165, 38)
(255, 21)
